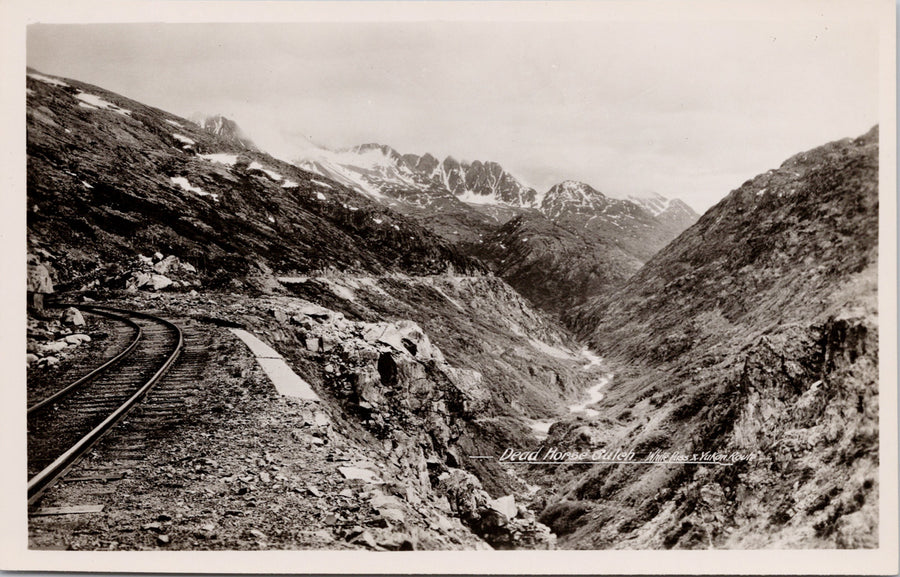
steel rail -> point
(99, 370)
(45, 478)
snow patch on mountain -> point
(655, 204)
(47, 80)
(183, 139)
(324, 164)
(471, 197)
(270, 173)
(185, 185)
(93, 101)
(220, 158)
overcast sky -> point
(689, 110)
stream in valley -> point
(594, 394)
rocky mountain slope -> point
(582, 242)
(415, 347)
(555, 267)
(756, 333)
(753, 335)
(114, 176)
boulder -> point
(314, 310)
(357, 473)
(505, 505)
(464, 493)
(72, 316)
(404, 336)
(392, 514)
(160, 282)
(327, 343)
(279, 315)
(367, 383)
(365, 538)
(469, 384)
(77, 339)
(137, 280)
(54, 347)
(167, 264)
(380, 500)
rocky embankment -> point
(215, 458)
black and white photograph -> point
(377, 279)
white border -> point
(14, 555)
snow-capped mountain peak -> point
(573, 197)
(652, 202)
(379, 170)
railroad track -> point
(65, 425)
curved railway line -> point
(65, 425)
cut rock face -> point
(39, 280)
(404, 336)
(406, 394)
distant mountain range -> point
(558, 247)
(379, 170)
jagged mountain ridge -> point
(755, 331)
(380, 170)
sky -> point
(689, 110)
